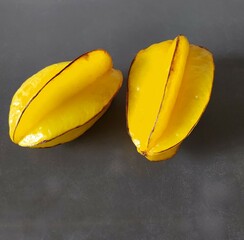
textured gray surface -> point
(98, 187)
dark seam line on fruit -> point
(161, 104)
(104, 108)
(186, 134)
(158, 153)
(38, 94)
(204, 48)
(197, 119)
(192, 126)
(46, 141)
(44, 87)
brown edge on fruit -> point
(178, 144)
(105, 108)
(172, 65)
(127, 89)
(144, 153)
(204, 109)
(84, 55)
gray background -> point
(98, 187)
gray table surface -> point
(98, 187)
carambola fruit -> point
(62, 101)
(169, 87)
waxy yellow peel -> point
(62, 101)
(169, 87)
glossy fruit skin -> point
(169, 87)
(62, 101)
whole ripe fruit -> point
(169, 87)
(62, 101)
